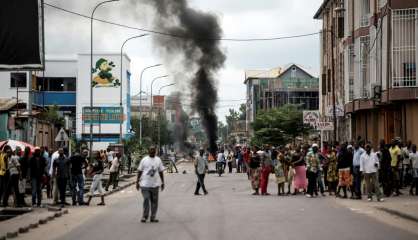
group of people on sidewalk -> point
(56, 172)
(338, 169)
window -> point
(18, 80)
(293, 72)
(404, 47)
(56, 84)
(365, 13)
(364, 65)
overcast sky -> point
(67, 34)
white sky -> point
(69, 34)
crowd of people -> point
(349, 168)
(55, 173)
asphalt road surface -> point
(228, 212)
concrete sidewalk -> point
(38, 216)
(401, 211)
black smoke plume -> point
(197, 39)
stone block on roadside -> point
(23, 229)
(43, 221)
(11, 234)
(33, 225)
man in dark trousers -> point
(37, 165)
(78, 162)
(62, 173)
(149, 169)
(201, 165)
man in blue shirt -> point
(358, 151)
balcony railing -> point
(47, 98)
(404, 47)
(364, 21)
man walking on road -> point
(148, 182)
(96, 171)
(201, 165)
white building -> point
(65, 83)
(107, 83)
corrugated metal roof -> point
(321, 8)
(271, 73)
(7, 103)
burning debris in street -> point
(197, 43)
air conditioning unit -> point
(376, 91)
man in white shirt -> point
(54, 182)
(172, 157)
(109, 156)
(114, 172)
(413, 157)
(149, 183)
(220, 160)
(201, 165)
(369, 165)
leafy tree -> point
(279, 126)
(52, 115)
(222, 132)
(242, 112)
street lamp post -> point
(140, 100)
(168, 85)
(121, 83)
(159, 114)
(152, 100)
(152, 83)
(91, 71)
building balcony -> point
(49, 98)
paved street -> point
(228, 212)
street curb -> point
(24, 229)
(399, 214)
(117, 189)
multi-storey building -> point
(277, 87)
(368, 68)
(65, 83)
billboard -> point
(102, 115)
(21, 35)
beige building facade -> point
(368, 67)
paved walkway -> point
(228, 212)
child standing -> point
(280, 177)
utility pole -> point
(91, 73)
(121, 84)
(334, 114)
(140, 100)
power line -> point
(182, 36)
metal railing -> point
(404, 47)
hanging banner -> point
(325, 126)
(339, 111)
(310, 117)
(102, 115)
(21, 36)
